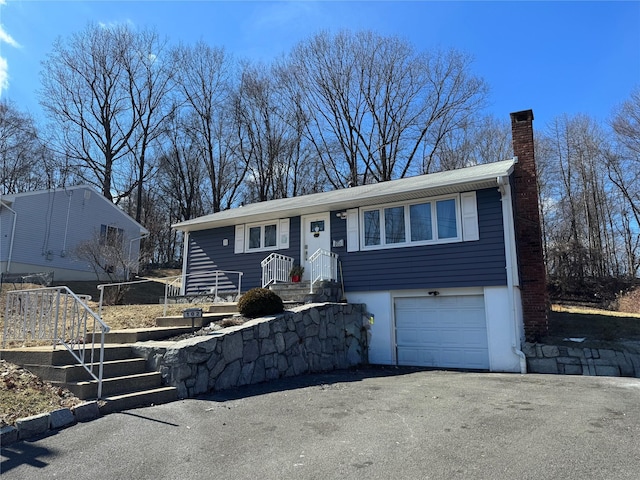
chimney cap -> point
(522, 116)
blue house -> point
(434, 257)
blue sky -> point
(553, 57)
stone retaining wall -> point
(310, 338)
(581, 361)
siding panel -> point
(207, 254)
(463, 264)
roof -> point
(421, 186)
(10, 199)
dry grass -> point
(22, 394)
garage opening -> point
(442, 331)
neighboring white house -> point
(40, 231)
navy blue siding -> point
(207, 253)
(463, 264)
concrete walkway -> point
(378, 423)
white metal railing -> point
(58, 315)
(214, 282)
(275, 268)
(324, 266)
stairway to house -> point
(291, 291)
(127, 383)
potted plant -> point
(296, 273)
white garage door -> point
(444, 331)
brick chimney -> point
(528, 232)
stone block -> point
(607, 370)
(263, 330)
(573, 369)
(197, 356)
(61, 418)
(315, 316)
(529, 349)
(246, 374)
(209, 346)
(606, 353)
(259, 373)
(247, 334)
(280, 343)
(272, 373)
(86, 411)
(569, 361)
(587, 352)
(290, 339)
(202, 380)
(278, 325)
(550, 351)
(232, 347)
(8, 435)
(300, 365)
(311, 330)
(312, 344)
(216, 370)
(542, 365)
(31, 426)
(229, 376)
(267, 346)
(251, 351)
(575, 352)
(283, 364)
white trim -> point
(238, 241)
(353, 232)
(185, 256)
(407, 205)
(283, 233)
(469, 212)
(261, 225)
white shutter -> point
(284, 233)
(239, 240)
(353, 234)
(470, 231)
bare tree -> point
(25, 162)
(204, 77)
(378, 110)
(271, 127)
(91, 86)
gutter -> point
(13, 234)
(504, 187)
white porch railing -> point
(215, 282)
(275, 268)
(58, 315)
(323, 266)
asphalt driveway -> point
(379, 423)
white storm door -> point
(316, 234)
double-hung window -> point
(262, 237)
(432, 221)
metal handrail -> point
(58, 315)
(275, 268)
(324, 266)
(174, 286)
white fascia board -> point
(441, 183)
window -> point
(111, 236)
(434, 221)
(262, 237)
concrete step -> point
(179, 321)
(114, 386)
(228, 307)
(60, 356)
(75, 373)
(133, 335)
(154, 396)
(291, 292)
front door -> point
(315, 234)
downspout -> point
(504, 187)
(13, 234)
(185, 252)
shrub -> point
(258, 302)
